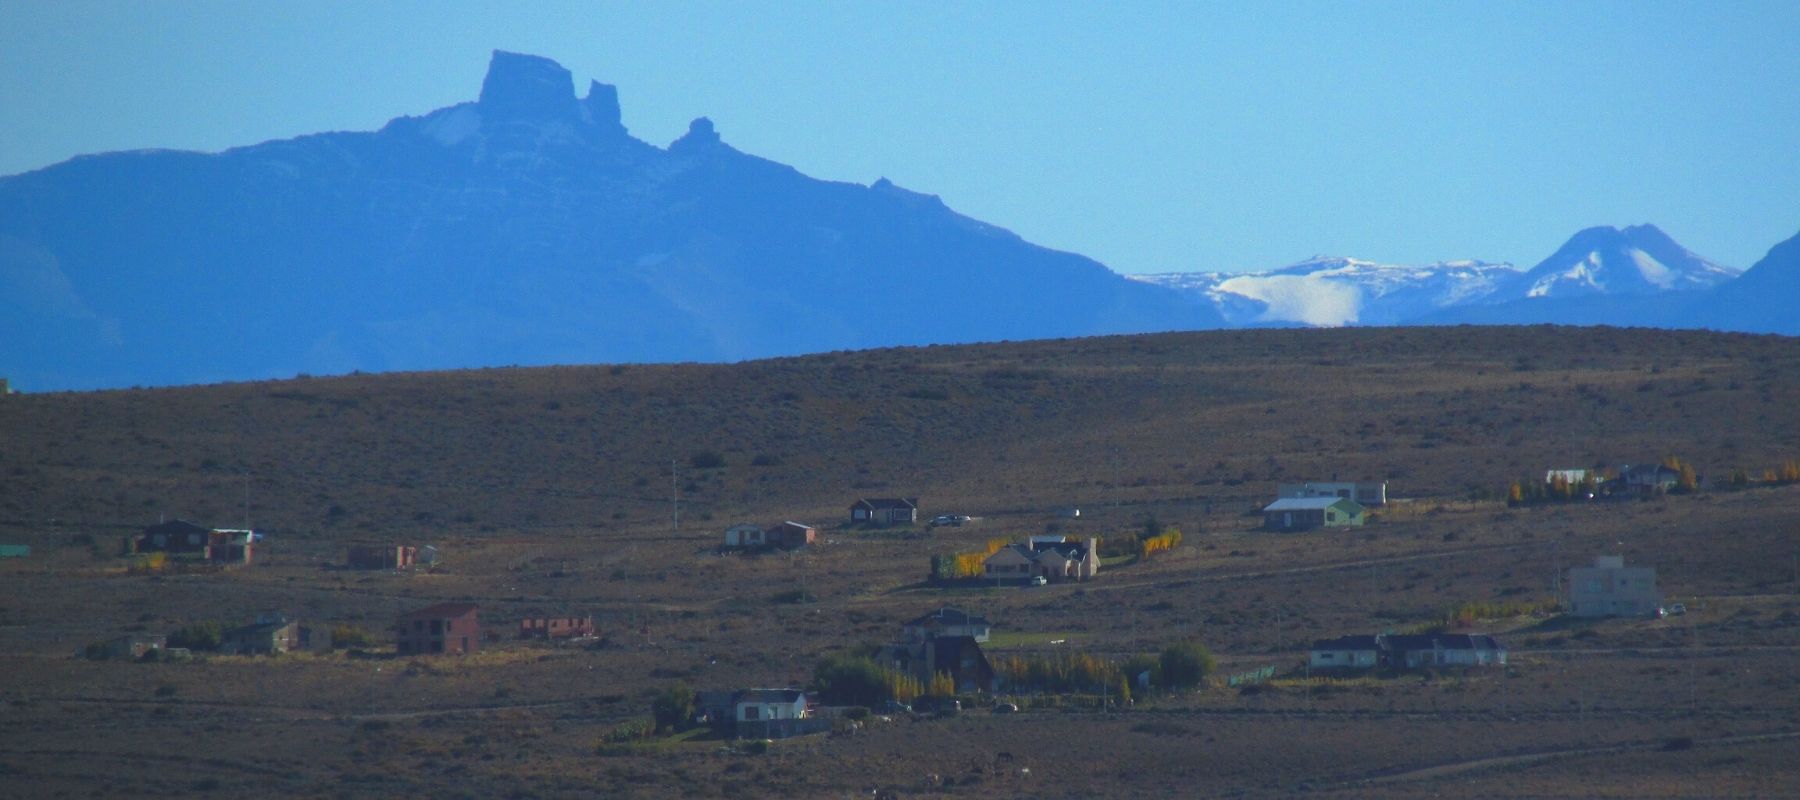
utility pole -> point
(675, 491)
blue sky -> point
(1151, 136)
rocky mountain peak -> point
(521, 86)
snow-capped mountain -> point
(1639, 260)
(1330, 291)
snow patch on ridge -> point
(1307, 299)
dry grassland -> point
(549, 492)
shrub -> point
(198, 636)
(847, 679)
(1185, 665)
(706, 459)
(351, 636)
(631, 730)
(673, 707)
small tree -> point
(1185, 665)
(673, 707)
(941, 685)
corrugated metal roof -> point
(1308, 503)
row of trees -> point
(1178, 667)
(1167, 540)
(1788, 472)
(964, 565)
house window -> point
(1331, 516)
(750, 712)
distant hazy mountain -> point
(1329, 291)
(1601, 276)
(527, 227)
(1639, 260)
(1765, 299)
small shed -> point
(791, 534)
(745, 534)
(381, 556)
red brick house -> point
(443, 628)
(555, 627)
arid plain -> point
(555, 491)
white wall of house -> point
(1341, 659)
(750, 711)
(1610, 589)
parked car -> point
(1039, 580)
(1005, 708)
(950, 520)
(895, 707)
(1678, 609)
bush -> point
(1185, 665)
(673, 707)
(351, 636)
(851, 680)
(706, 459)
(631, 730)
(198, 636)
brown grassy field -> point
(549, 491)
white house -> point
(948, 621)
(759, 705)
(1368, 493)
(745, 534)
(1611, 589)
(1345, 652)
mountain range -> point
(529, 227)
(1602, 275)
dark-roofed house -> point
(267, 636)
(1345, 652)
(948, 622)
(1442, 650)
(133, 645)
(173, 536)
(443, 628)
(1407, 652)
(1306, 513)
(885, 510)
(960, 657)
(1648, 479)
